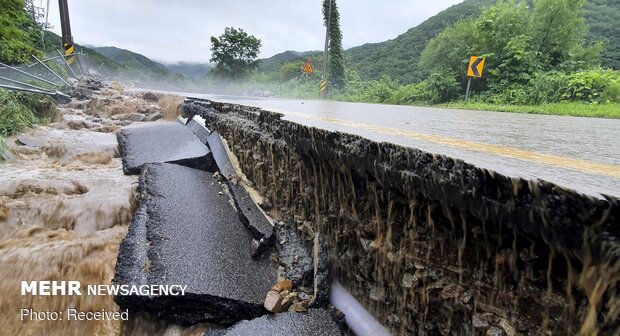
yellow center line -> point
(505, 151)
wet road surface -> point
(576, 153)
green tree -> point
(336, 74)
(518, 43)
(19, 34)
(558, 29)
(235, 53)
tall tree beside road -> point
(235, 53)
(336, 59)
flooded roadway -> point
(576, 153)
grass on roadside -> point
(607, 110)
(19, 111)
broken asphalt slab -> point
(199, 131)
(169, 142)
(186, 232)
(315, 322)
(250, 213)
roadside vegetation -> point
(541, 57)
(20, 37)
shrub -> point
(442, 87)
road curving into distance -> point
(572, 152)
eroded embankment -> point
(433, 245)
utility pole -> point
(324, 73)
(67, 38)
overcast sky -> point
(172, 31)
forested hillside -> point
(398, 58)
(134, 61)
(603, 17)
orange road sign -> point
(475, 67)
(308, 67)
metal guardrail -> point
(32, 79)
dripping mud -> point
(65, 206)
(431, 245)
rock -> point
(478, 322)
(288, 300)
(377, 294)
(365, 244)
(408, 280)
(451, 292)
(495, 331)
(284, 285)
(393, 319)
(508, 328)
(466, 297)
(304, 296)
(150, 97)
(300, 306)
(273, 302)
(155, 116)
(133, 117)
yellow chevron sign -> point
(69, 53)
(475, 67)
(323, 86)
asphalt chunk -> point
(316, 322)
(186, 232)
(199, 131)
(249, 212)
(220, 155)
(169, 142)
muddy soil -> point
(64, 208)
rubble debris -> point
(293, 255)
(162, 142)
(185, 233)
(315, 322)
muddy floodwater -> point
(65, 206)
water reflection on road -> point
(577, 153)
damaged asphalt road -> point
(187, 233)
(201, 229)
(162, 142)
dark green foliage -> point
(19, 111)
(399, 57)
(603, 18)
(235, 53)
(274, 62)
(19, 35)
(336, 76)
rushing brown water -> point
(64, 208)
